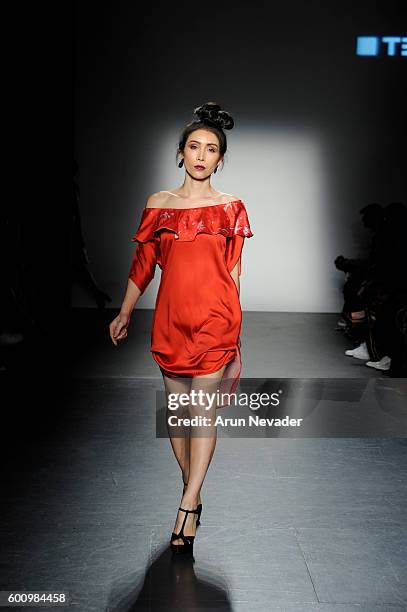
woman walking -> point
(196, 235)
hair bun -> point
(210, 112)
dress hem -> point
(228, 382)
(196, 373)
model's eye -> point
(192, 146)
(212, 150)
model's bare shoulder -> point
(230, 197)
(158, 199)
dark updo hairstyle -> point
(209, 116)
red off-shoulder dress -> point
(197, 318)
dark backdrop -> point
(141, 69)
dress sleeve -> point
(234, 249)
(146, 254)
(142, 268)
(234, 246)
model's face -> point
(201, 149)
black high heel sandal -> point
(199, 508)
(188, 544)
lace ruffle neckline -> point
(228, 219)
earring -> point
(181, 163)
(216, 169)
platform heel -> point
(188, 544)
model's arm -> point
(131, 298)
(140, 274)
(118, 327)
(235, 275)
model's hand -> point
(118, 327)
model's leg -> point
(202, 447)
(180, 439)
(179, 443)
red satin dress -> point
(197, 318)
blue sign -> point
(381, 45)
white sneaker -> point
(383, 364)
(360, 352)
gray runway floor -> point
(89, 498)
